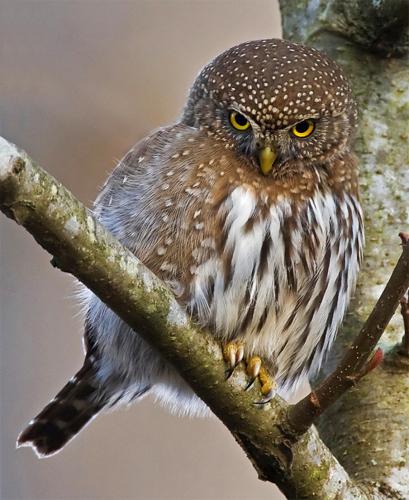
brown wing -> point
(162, 200)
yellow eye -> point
(239, 121)
(303, 129)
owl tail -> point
(71, 409)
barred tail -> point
(71, 409)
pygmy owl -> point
(248, 208)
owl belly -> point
(283, 279)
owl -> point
(248, 208)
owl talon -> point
(268, 386)
(233, 354)
(253, 370)
(250, 384)
(268, 395)
(254, 366)
(265, 400)
(256, 369)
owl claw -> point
(268, 386)
(233, 354)
(267, 397)
(265, 400)
(253, 370)
(256, 369)
(250, 384)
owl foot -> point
(256, 369)
(233, 353)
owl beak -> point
(267, 156)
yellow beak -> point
(267, 156)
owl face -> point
(280, 105)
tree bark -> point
(368, 428)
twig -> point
(357, 361)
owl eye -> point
(304, 128)
(239, 121)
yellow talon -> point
(233, 353)
(268, 384)
(254, 366)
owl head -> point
(280, 105)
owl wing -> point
(160, 200)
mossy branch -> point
(84, 248)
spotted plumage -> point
(248, 208)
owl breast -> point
(272, 262)
(281, 277)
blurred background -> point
(81, 82)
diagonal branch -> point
(82, 247)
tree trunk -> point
(368, 428)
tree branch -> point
(82, 247)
